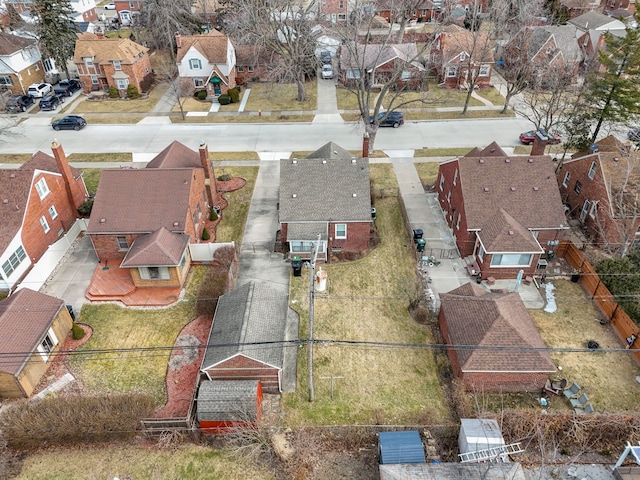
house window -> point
(195, 220)
(341, 230)
(195, 64)
(592, 170)
(52, 212)
(183, 260)
(455, 177)
(565, 182)
(42, 188)
(4, 80)
(484, 70)
(406, 75)
(341, 4)
(463, 56)
(240, 69)
(122, 84)
(594, 209)
(302, 246)
(14, 260)
(116, 65)
(45, 225)
(94, 79)
(198, 209)
(154, 273)
(88, 61)
(198, 82)
(342, 16)
(250, 68)
(511, 260)
(481, 253)
(48, 343)
(451, 71)
(458, 222)
(577, 188)
(122, 243)
(441, 181)
(353, 73)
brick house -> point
(334, 11)
(253, 63)
(143, 220)
(20, 63)
(609, 6)
(336, 205)
(477, 320)
(207, 62)
(126, 10)
(425, 11)
(39, 202)
(248, 338)
(458, 56)
(599, 187)
(575, 8)
(505, 212)
(111, 62)
(28, 338)
(381, 62)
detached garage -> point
(400, 447)
(225, 405)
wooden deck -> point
(113, 284)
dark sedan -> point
(393, 119)
(71, 122)
(528, 137)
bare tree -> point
(167, 72)
(378, 71)
(282, 27)
(162, 19)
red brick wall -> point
(453, 207)
(357, 237)
(243, 368)
(336, 7)
(34, 239)
(106, 246)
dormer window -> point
(88, 61)
(116, 65)
(195, 64)
(463, 56)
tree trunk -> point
(468, 98)
(507, 99)
(371, 131)
(302, 94)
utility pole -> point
(312, 268)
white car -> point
(110, 6)
(39, 90)
(327, 71)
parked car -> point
(393, 119)
(327, 71)
(110, 6)
(66, 88)
(528, 137)
(39, 90)
(19, 103)
(325, 57)
(70, 122)
(51, 101)
(634, 135)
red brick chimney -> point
(539, 145)
(209, 175)
(178, 40)
(75, 195)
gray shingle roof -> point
(307, 231)
(158, 249)
(224, 400)
(250, 314)
(491, 319)
(323, 189)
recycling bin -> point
(420, 244)
(296, 265)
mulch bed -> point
(232, 185)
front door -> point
(216, 89)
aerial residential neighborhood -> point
(216, 263)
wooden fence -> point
(589, 280)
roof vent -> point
(175, 224)
(353, 160)
(507, 160)
(530, 160)
(535, 189)
(5, 201)
(513, 189)
(324, 161)
(486, 189)
(335, 152)
(12, 175)
(510, 232)
(481, 160)
(616, 159)
(294, 161)
(354, 195)
(294, 196)
(103, 220)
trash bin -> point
(373, 212)
(417, 233)
(420, 244)
(550, 255)
(296, 264)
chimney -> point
(365, 145)
(209, 175)
(538, 146)
(74, 194)
(178, 40)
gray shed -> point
(400, 447)
(479, 434)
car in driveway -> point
(327, 72)
(325, 57)
(51, 102)
(109, 6)
(39, 90)
(67, 88)
(528, 138)
(393, 119)
(70, 122)
(19, 103)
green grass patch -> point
(213, 118)
(234, 217)
(441, 152)
(367, 302)
(116, 328)
(91, 178)
(140, 105)
(100, 157)
(221, 156)
(14, 157)
(182, 462)
(121, 33)
(428, 172)
(269, 97)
